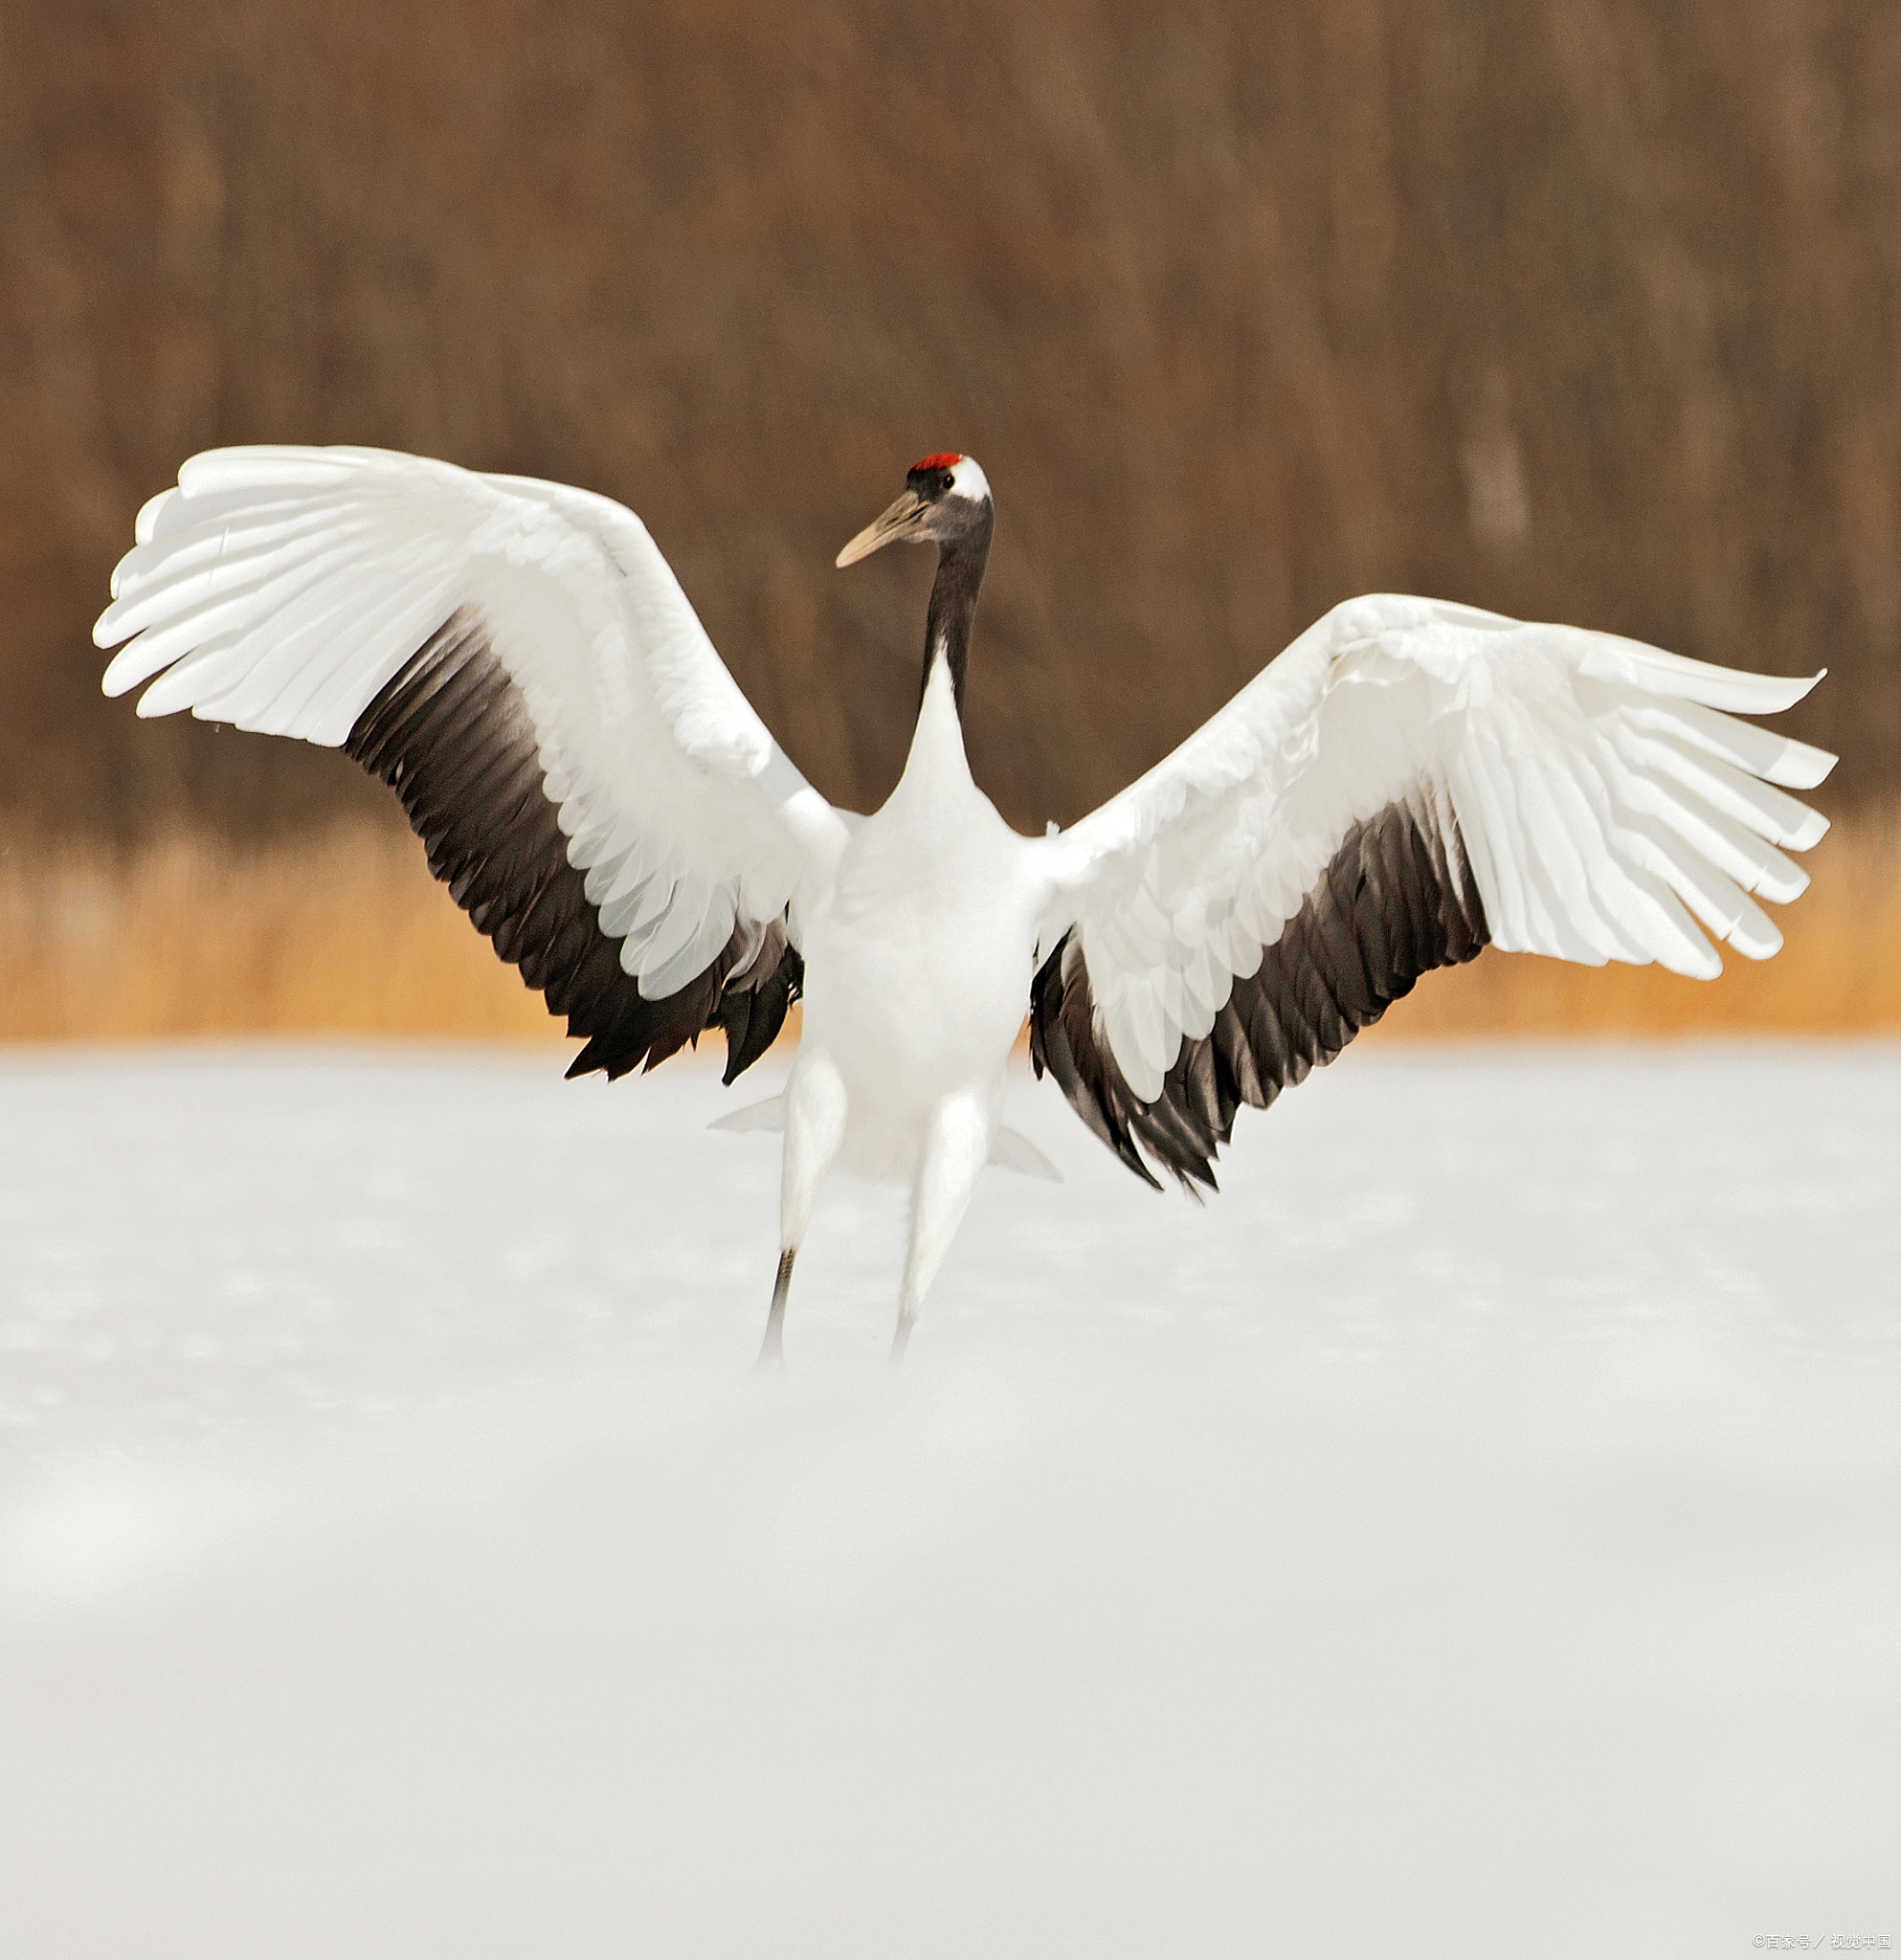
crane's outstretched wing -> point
(517, 660)
(1408, 782)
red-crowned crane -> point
(1407, 783)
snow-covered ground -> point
(1477, 1532)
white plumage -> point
(1406, 782)
(1599, 800)
(279, 589)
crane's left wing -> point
(518, 661)
(1408, 782)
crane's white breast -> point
(919, 960)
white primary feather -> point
(280, 589)
(1602, 790)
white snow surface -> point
(1475, 1532)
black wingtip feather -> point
(452, 735)
(1398, 900)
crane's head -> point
(946, 500)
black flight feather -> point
(1398, 900)
(452, 735)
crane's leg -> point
(772, 1349)
(956, 1151)
(816, 1110)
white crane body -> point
(1407, 783)
(919, 958)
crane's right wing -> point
(517, 659)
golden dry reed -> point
(342, 933)
(345, 933)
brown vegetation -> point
(1585, 310)
(345, 932)
(338, 932)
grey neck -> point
(953, 605)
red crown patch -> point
(942, 460)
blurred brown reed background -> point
(1582, 309)
(339, 932)
(335, 931)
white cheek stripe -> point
(966, 479)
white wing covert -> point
(1406, 783)
(517, 660)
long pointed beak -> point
(903, 520)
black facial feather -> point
(931, 480)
